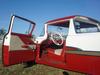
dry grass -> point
(34, 70)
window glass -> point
(21, 26)
(85, 27)
(42, 33)
(61, 28)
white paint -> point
(58, 51)
(8, 36)
(84, 41)
(71, 28)
(7, 40)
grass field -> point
(34, 70)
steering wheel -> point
(57, 38)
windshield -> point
(86, 26)
(42, 33)
(61, 28)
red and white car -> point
(70, 43)
(78, 32)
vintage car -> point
(70, 43)
(78, 32)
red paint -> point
(5, 53)
(82, 63)
(69, 17)
(21, 56)
(15, 57)
(23, 35)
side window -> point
(83, 27)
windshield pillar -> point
(71, 27)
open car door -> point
(18, 45)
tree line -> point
(2, 33)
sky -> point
(41, 11)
